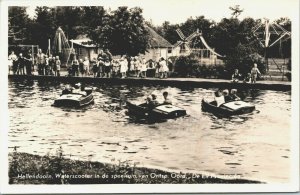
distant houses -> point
(158, 47)
(84, 47)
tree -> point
(18, 21)
(69, 18)
(43, 27)
(122, 32)
(225, 35)
(92, 18)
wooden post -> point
(32, 53)
(49, 47)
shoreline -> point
(27, 168)
(175, 82)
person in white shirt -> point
(123, 67)
(86, 66)
(12, 62)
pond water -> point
(253, 146)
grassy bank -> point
(33, 169)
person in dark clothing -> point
(152, 102)
(21, 64)
(235, 76)
(166, 99)
(28, 62)
(75, 67)
(226, 96)
(81, 69)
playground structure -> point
(268, 34)
(196, 45)
(61, 46)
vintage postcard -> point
(165, 96)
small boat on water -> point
(164, 111)
(228, 109)
(77, 99)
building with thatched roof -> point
(84, 47)
(158, 46)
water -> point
(254, 146)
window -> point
(169, 50)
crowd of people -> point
(24, 63)
(248, 78)
(104, 65)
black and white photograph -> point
(150, 92)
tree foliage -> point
(123, 32)
(18, 22)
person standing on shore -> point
(94, 67)
(13, 59)
(107, 68)
(47, 65)
(53, 65)
(21, 64)
(75, 67)
(86, 66)
(40, 57)
(58, 64)
(123, 67)
(50, 64)
(163, 68)
(254, 73)
(143, 68)
(28, 62)
(81, 69)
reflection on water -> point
(255, 146)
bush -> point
(243, 58)
(188, 66)
(183, 65)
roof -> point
(156, 40)
(84, 41)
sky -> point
(177, 11)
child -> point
(95, 66)
(235, 76)
(75, 67)
(166, 99)
(86, 66)
(254, 72)
(58, 64)
(81, 70)
(247, 79)
(233, 95)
